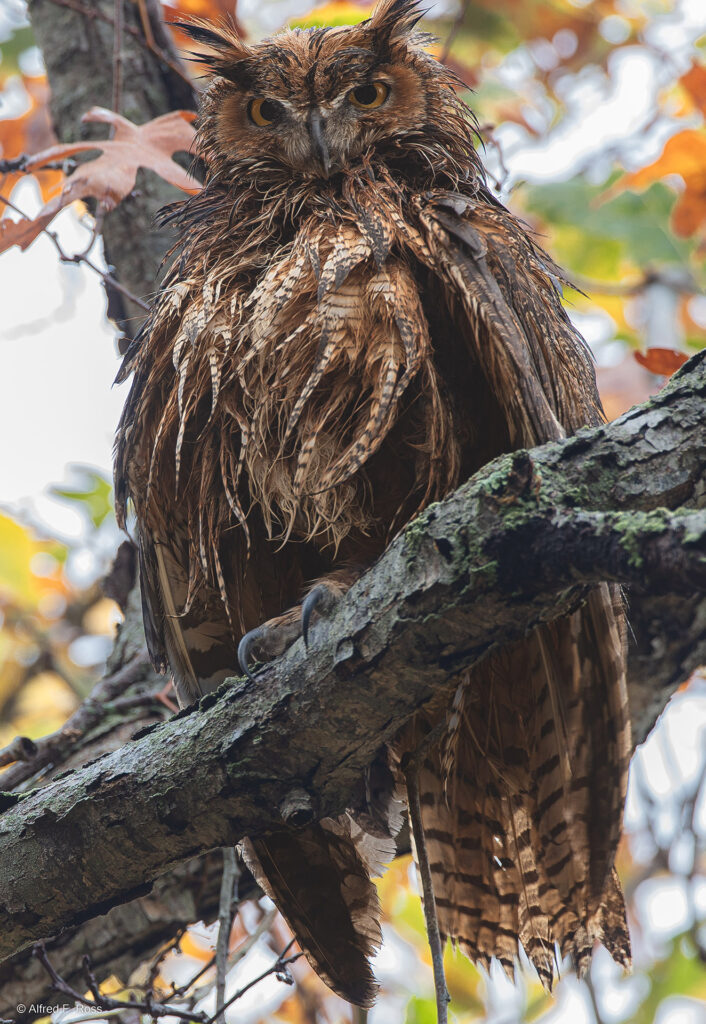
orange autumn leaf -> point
(30, 132)
(662, 361)
(694, 81)
(213, 10)
(111, 176)
(684, 154)
(22, 232)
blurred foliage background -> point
(593, 117)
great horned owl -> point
(351, 326)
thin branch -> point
(588, 982)
(160, 958)
(235, 957)
(229, 884)
(455, 29)
(53, 748)
(117, 59)
(155, 1010)
(682, 285)
(80, 257)
(95, 13)
(22, 748)
(411, 774)
(280, 968)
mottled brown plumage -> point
(352, 325)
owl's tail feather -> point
(522, 804)
(319, 877)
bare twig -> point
(80, 257)
(588, 982)
(117, 59)
(487, 134)
(229, 887)
(235, 957)
(96, 14)
(146, 25)
(280, 968)
(411, 773)
(103, 1002)
(629, 288)
(159, 959)
(455, 29)
(91, 978)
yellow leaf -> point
(17, 547)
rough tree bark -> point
(513, 547)
(77, 40)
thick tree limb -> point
(511, 548)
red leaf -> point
(663, 361)
(21, 232)
(111, 176)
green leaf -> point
(12, 48)
(94, 496)
(593, 237)
(420, 1011)
(681, 973)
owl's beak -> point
(318, 140)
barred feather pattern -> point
(326, 357)
(341, 855)
(513, 806)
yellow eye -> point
(368, 97)
(263, 112)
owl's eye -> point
(367, 97)
(263, 112)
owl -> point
(351, 326)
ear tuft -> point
(394, 19)
(233, 57)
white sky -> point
(57, 362)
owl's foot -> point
(268, 641)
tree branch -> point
(513, 547)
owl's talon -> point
(319, 599)
(245, 648)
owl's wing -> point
(522, 806)
(504, 295)
(191, 638)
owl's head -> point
(318, 101)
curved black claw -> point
(319, 597)
(245, 648)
